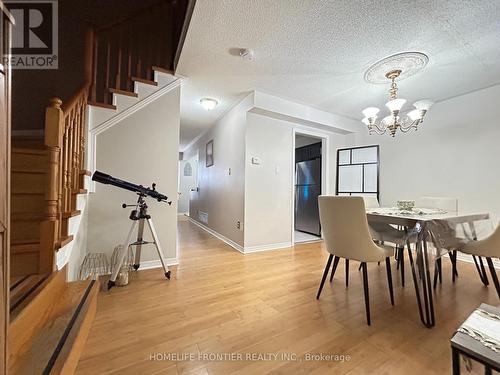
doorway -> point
(308, 185)
(188, 182)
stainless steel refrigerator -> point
(307, 190)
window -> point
(358, 171)
(188, 170)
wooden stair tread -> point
(26, 216)
(22, 291)
(32, 247)
(28, 150)
(63, 241)
(53, 341)
(80, 191)
(67, 215)
(102, 105)
(123, 92)
(29, 171)
(163, 70)
(86, 173)
(145, 81)
(23, 241)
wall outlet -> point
(255, 160)
(239, 226)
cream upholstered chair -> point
(371, 202)
(488, 248)
(347, 235)
(448, 204)
(387, 233)
(443, 203)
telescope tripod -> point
(138, 216)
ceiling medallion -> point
(409, 63)
(398, 66)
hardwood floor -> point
(221, 302)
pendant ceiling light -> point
(400, 66)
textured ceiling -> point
(316, 52)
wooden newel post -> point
(50, 227)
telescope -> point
(139, 217)
(106, 179)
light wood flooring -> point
(220, 301)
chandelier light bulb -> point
(366, 121)
(371, 112)
(423, 105)
(395, 104)
(388, 120)
(414, 115)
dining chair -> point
(382, 233)
(488, 248)
(347, 235)
(447, 204)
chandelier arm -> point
(375, 127)
(406, 126)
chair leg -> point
(437, 272)
(360, 266)
(334, 267)
(480, 270)
(325, 273)
(402, 265)
(346, 273)
(389, 278)
(453, 259)
(494, 276)
(367, 296)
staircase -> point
(28, 174)
(127, 63)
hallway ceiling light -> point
(408, 63)
(208, 103)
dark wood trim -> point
(67, 215)
(123, 92)
(163, 70)
(182, 37)
(145, 81)
(102, 105)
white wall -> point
(143, 148)
(262, 200)
(456, 153)
(220, 194)
(269, 196)
(268, 185)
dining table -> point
(423, 229)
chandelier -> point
(396, 119)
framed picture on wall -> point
(210, 153)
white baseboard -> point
(242, 249)
(273, 246)
(148, 264)
(468, 258)
(230, 242)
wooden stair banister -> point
(130, 48)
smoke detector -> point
(246, 54)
